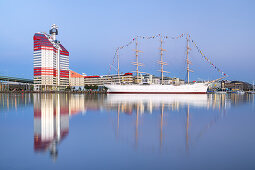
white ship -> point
(196, 88)
(139, 87)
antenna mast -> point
(187, 59)
(161, 59)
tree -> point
(68, 88)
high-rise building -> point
(51, 61)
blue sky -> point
(92, 30)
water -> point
(61, 131)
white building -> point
(76, 80)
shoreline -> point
(68, 92)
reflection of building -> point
(51, 123)
(76, 104)
(51, 119)
(14, 101)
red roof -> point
(128, 74)
(91, 76)
(75, 75)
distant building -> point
(76, 80)
(92, 80)
(177, 81)
(214, 86)
(236, 85)
(151, 79)
(51, 62)
(126, 78)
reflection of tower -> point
(51, 123)
(136, 125)
(161, 124)
(187, 130)
(118, 121)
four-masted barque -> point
(145, 88)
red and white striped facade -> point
(51, 63)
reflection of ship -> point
(146, 136)
(201, 100)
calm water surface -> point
(61, 131)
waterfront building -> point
(236, 85)
(92, 80)
(151, 79)
(126, 78)
(51, 62)
(76, 80)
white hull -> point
(196, 88)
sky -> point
(92, 30)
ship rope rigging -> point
(137, 63)
(161, 62)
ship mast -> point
(187, 57)
(137, 64)
(161, 59)
(118, 64)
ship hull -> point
(196, 88)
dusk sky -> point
(92, 30)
